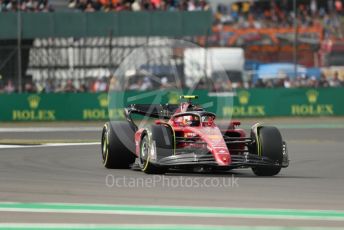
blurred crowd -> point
(90, 85)
(138, 5)
(276, 14)
(106, 5)
(58, 86)
(302, 82)
(142, 84)
(25, 5)
(288, 83)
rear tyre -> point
(117, 151)
(270, 146)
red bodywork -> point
(207, 132)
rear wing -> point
(150, 110)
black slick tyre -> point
(117, 147)
(270, 145)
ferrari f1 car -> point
(187, 137)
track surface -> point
(74, 174)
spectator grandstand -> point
(263, 28)
(25, 6)
(279, 14)
(102, 84)
(138, 5)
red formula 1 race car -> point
(186, 137)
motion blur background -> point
(277, 62)
(274, 52)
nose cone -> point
(221, 156)
(215, 143)
(218, 147)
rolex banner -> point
(241, 103)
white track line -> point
(175, 214)
(47, 145)
(152, 226)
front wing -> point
(238, 161)
(240, 158)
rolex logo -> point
(103, 100)
(244, 97)
(34, 101)
(312, 96)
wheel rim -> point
(144, 152)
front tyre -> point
(270, 145)
(116, 152)
(145, 157)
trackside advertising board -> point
(101, 106)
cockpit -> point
(194, 120)
(207, 120)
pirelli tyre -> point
(269, 144)
(117, 146)
(156, 143)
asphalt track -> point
(39, 182)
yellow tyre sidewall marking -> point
(106, 143)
